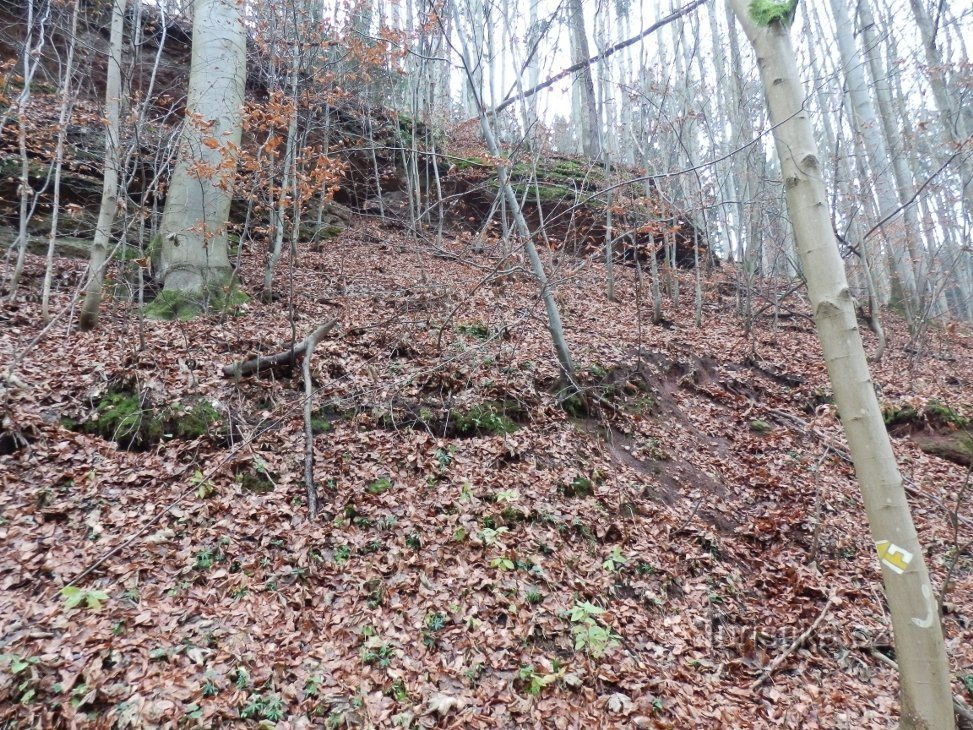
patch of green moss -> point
(405, 123)
(232, 243)
(123, 417)
(198, 421)
(580, 486)
(766, 12)
(320, 424)
(465, 163)
(575, 169)
(576, 406)
(10, 166)
(644, 404)
(574, 172)
(758, 426)
(154, 249)
(894, 416)
(935, 410)
(379, 486)
(598, 371)
(252, 482)
(540, 193)
(512, 515)
(476, 330)
(175, 305)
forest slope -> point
(488, 556)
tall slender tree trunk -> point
(900, 170)
(67, 102)
(590, 123)
(279, 212)
(88, 319)
(867, 127)
(547, 295)
(31, 58)
(956, 129)
(920, 650)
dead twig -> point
(779, 659)
(309, 344)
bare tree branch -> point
(594, 59)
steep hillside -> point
(494, 550)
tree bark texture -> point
(925, 685)
(192, 248)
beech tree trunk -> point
(867, 127)
(67, 103)
(191, 252)
(955, 128)
(900, 169)
(920, 650)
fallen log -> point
(287, 358)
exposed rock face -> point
(164, 72)
(567, 196)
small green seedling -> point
(74, 597)
(589, 635)
(535, 681)
(615, 560)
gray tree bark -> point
(109, 192)
(191, 253)
(866, 126)
(900, 169)
(589, 118)
(920, 650)
(547, 295)
(956, 127)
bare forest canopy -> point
(369, 144)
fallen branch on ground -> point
(288, 357)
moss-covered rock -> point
(124, 415)
(939, 413)
(194, 423)
(173, 305)
(936, 428)
(465, 163)
(956, 446)
(330, 231)
(898, 415)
